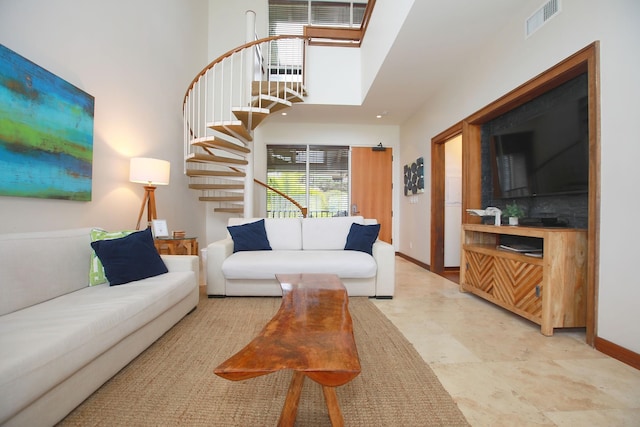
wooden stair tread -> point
(283, 93)
(234, 128)
(204, 172)
(213, 142)
(211, 158)
(221, 198)
(276, 88)
(293, 96)
(229, 210)
(268, 97)
(216, 186)
(272, 103)
(255, 114)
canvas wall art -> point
(46, 133)
(414, 177)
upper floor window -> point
(288, 17)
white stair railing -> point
(225, 102)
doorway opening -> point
(442, 200)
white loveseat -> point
(300, 245)
(61, 339)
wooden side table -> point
(171, 246)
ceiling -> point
(435, 32)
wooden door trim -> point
(437, 196)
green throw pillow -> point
(96, 272)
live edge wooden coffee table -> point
(312, 334)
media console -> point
(549, 290)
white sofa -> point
(300, 245)
(61, 339)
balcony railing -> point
(310, 214)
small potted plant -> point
(513, 212)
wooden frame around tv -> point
(585, 60)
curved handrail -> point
(228, 54)
(280, 193)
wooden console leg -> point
(290, 408)
(335, 415)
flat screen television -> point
(545, 153)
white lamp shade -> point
(149, 171)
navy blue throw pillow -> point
(129, 258)
(249, 237)
(362, 237)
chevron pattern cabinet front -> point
(549, 290)
(480, 271)
(515, 284)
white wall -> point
(380, 36)
(136, 58)
(333, 75)
(227, 24)
(510, 61)
(618, 314)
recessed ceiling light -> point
(284, 114)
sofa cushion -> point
(44, 344)
(282, 233)
(39, 266)
(266, 264)
(362, 237)
(249, 237)
(130, 258)
(327, 233)
(96, 269)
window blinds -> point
(317, 177)
(289, 17)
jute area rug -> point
(172, 382)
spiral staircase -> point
(222, 107)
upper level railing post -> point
(247, 77)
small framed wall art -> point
(414, 177)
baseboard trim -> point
(617, 352)
(414, 261)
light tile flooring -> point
(500, 369)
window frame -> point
(323, 205)
(340, 33)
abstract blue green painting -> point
(46, 133)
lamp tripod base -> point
(150, 200)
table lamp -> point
(151, 172)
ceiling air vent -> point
(542, 16)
